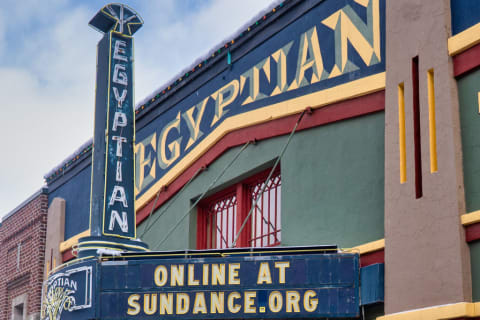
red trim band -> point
(372, 258)
(472, 232)
(466, 61)
(67, 256)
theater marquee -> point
(292, 283)
(233, 288)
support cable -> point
(159, 215)
(307, 110)
(203, 194)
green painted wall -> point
(475, 260)
(332, 186)
(468, 88)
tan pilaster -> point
(55, 233)
(427, 258)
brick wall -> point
(22, 252)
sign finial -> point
(117, 17)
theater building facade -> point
(334, 134)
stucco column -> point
(55, 233)
(427, 258)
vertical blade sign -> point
(119, 204)
(112, 213)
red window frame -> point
(229, 209)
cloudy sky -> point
(47, 72)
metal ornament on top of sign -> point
(112, 207)
(117, 17)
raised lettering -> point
(142, 161)
(309, 303)
(250, 301)
(166, 303)
(122, 222)
(275, 301)
(218, 274)
(309, 47)
(293, 297)
(191, 276)
(119, 140)
(118, 194)
(150, 307)
(120, 98)
(119, 74)
(119, 120)
(281, 266)
(194, 124)
(280, 57)
(177, 274)
(253, 76)
(160, 275)
(264, 275)
(217, 302)
(119, 50)
(118, 176)
(174, 147)
(199, 305)
(133, 304)
(223, 97)
(233, 273)
(205, 274)
(364, 38)
(183, 303)
(232, 306)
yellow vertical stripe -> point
(401, 133)
(478, 94)
(432, 122)
(47, 269)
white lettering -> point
(119, 50)
(122, 222)
(119, 74)
(119, 120)
(115, 197)
(120, 98)
(119, 140)
(119, 171)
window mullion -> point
(242, 211)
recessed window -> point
(18, 312)
(221, 216)
(19, 307)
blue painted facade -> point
(74, 188)
(465, 14)
(372, 279)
